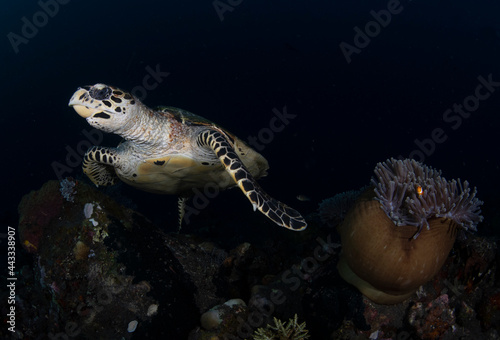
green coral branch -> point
(291, 331)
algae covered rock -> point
(105, 270)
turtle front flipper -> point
(275, 210)
(98, 165)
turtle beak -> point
(83, 111)
(77, 103)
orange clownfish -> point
(420, 191)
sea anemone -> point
(400, 231)
(411, 193)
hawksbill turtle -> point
(167, 150)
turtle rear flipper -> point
(275, 210)
(98, 165)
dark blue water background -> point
(263, 55)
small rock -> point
(152, 309)
(81, 251)
(132, 325)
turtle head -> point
(105, 107)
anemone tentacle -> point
(396, 183)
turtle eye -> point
(100, 94)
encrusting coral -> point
(291, 331)
(399, 233)
(333, 210)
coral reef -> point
(67, 189)
(458, 303)
(292, 330)
(101, 270)
(433, 320)
(398, 234)
(333, 210)
(37, 210)
(95, 275)
(215, 316)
